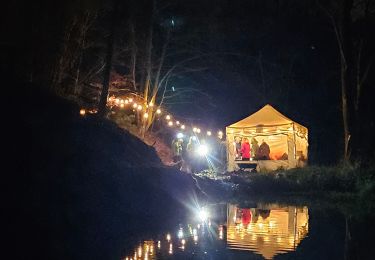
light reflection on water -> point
(267, 230)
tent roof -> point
(267, 116)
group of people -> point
(185, 159)
(183, 155)
(245, 216)
(245, 151)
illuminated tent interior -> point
(267, 231)
(287, 140)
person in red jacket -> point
(245, 149)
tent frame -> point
(287, 127)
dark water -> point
(261, 231)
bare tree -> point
(352, 77)
(108, 62)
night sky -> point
(247, 54)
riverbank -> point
(81, 187)
(349, 187)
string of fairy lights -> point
(150, 109)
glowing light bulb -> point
(126, 101)
(151, 104)
(168, 117)
(170, 123)
(182, 126)
(122, 105)
(180, 234)
(177, 122)
(135, 105)
(158, 111)
(198, 130)
(168, 237)
(202, 215)
(139, 107)
(145, 115)
(82, 112)
(194, 129)
(209, 133)
(130, 100)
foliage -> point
(342, 178)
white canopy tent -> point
(288, 140)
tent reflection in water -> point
(287, 140)
(271, 230)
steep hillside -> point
(81, 187)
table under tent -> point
(286, 139)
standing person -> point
(254, 148)
(245, 149)
(237, 141)
(264, 151)
(177, 150)
(190, 148)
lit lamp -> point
(170, 123)
(145, 115)
(122, 105)
(202, 150)
(130, 100)
(168, 117)
(177, 122)
(135, 105)
(82, 112)
(139, 107)
(182, 126)
(198, 130)
(158, 111)
(202, 215)
(209, 133)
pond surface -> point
(260, 231)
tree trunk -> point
(345, 114)
(151, 112)
(108, 64)
(133, 60)
(84, 27)
(344, 39)
(148, 61)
